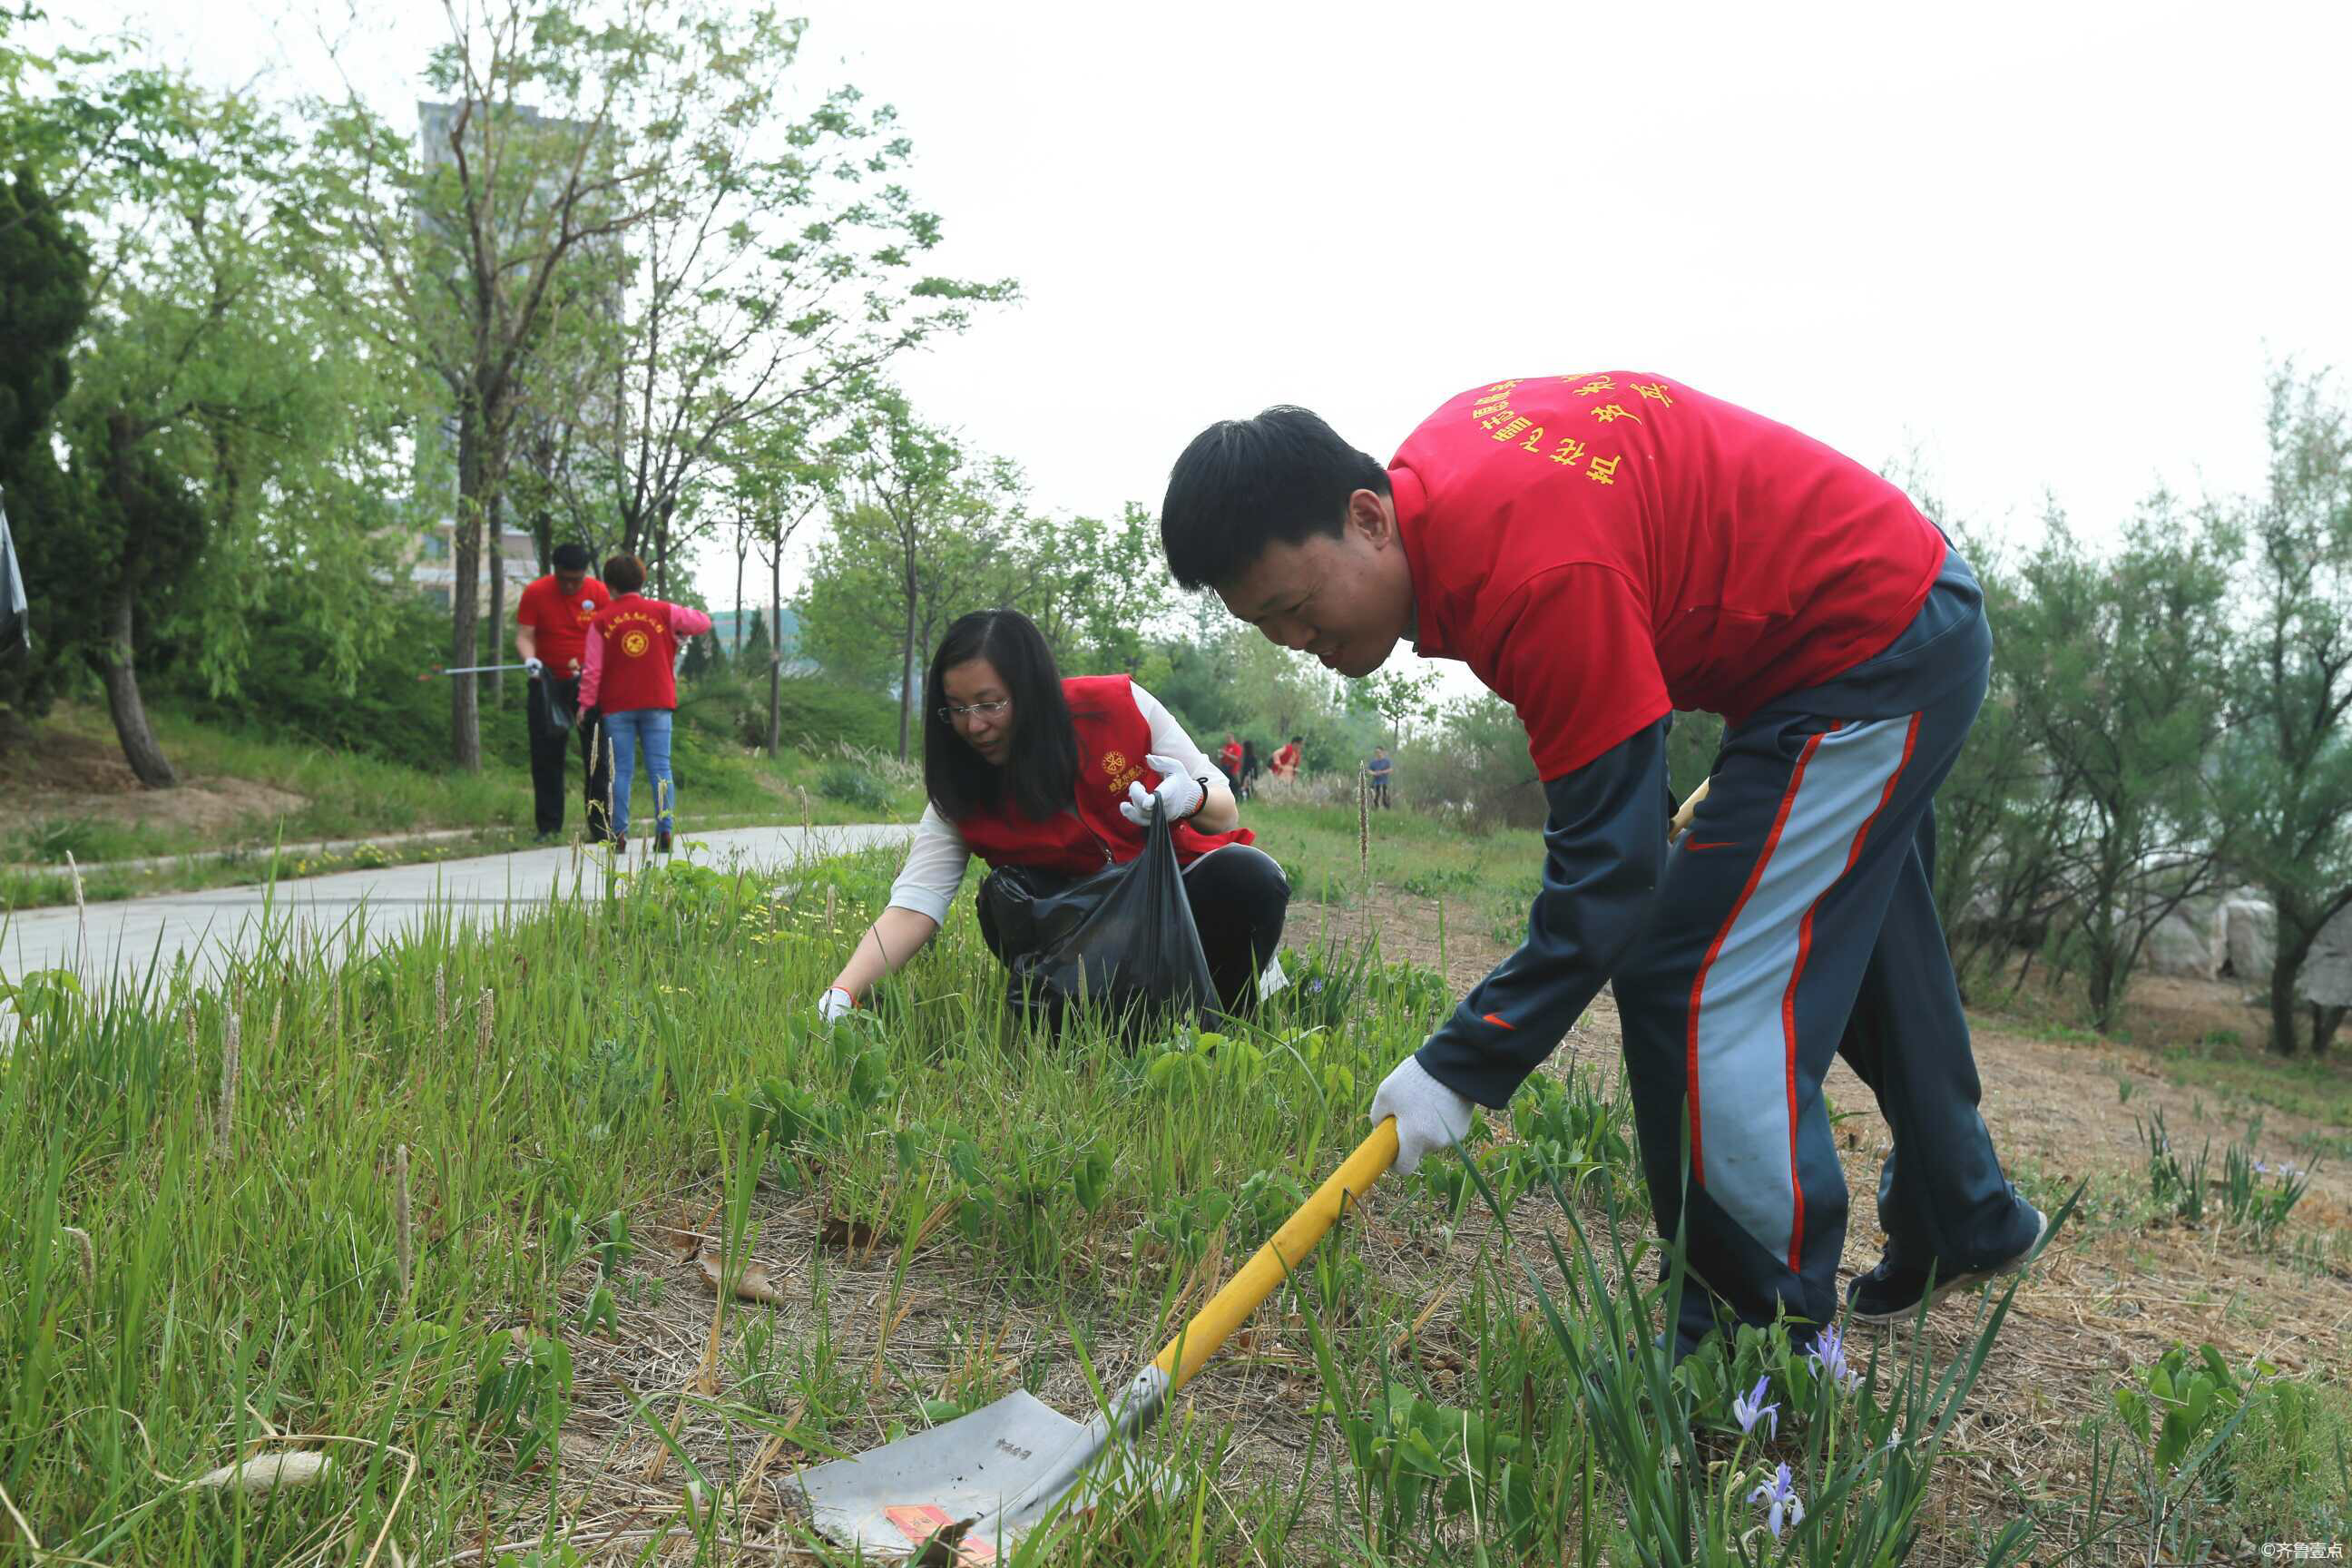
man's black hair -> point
(1041, 769)
(1298, 739)
(625, 573)
(1243, 484)
(570, 558)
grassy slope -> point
(241, 1285)
(350, 797)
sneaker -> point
(661, 842)
(1890, 1292)
(620, 843)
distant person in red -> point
(632, 682)
(1601, 550)
(1229, 760)
(552, 639)
(1284, 763)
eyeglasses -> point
(983, 709)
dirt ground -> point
(2107, 1298)
(71, 776)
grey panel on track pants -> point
(1796, 920)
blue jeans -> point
(628, 731)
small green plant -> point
(2177, 1190)
(521, 1397)
(2189, 1449)
(2257, 1197)
(1417, 1459)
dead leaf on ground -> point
(266, 1472)
(758, 1282)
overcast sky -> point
(2049, 248)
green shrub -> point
(851, 784)
(291, 690)
(812, 712)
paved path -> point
(133, 937)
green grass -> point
(347, 797)
(2319, 1087)
(186, 1281)
(1487, 881)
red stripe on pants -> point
(1698, 981)
(1789, 997)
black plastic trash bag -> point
(1122, 941)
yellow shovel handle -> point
(1230, 1306)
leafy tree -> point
(1096, 588)
(226, 443)
(918, 525)
(476, 238)
(44, 299)
(2121, 700)
(778, 475)
(1401, 700)
(773, 265)
(2289, 763)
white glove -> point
(1178, 794)
(833, 1003)
(534, 668)
(1429, 1116)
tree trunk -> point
(775, 648)
(906, 662)
(465, 553)
(661, 553)
(130, 714)
(2285, 969)
(498, 530)
(742, 546)
(2324, 1022)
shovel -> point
(961, 1492)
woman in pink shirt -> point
(631, 683)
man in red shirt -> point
(1601, 550)
(551, 637)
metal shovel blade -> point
(892, 1499)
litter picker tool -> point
(468, 670)
(964, 1492)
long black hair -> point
(1041, 771)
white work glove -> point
(1179, 795)
(833, 1003)
(534, 668)
(1429, 1116)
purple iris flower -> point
(1828, 1356)
(1750, 1409)
(1779, 1496)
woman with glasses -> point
(1059, 778)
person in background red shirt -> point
(1284, 763)
(1601, 550)
(1229, 760)
(552, 639)
(632, 682)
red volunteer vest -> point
(1112, 740)
(640, 654)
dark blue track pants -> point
(1796, 920)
